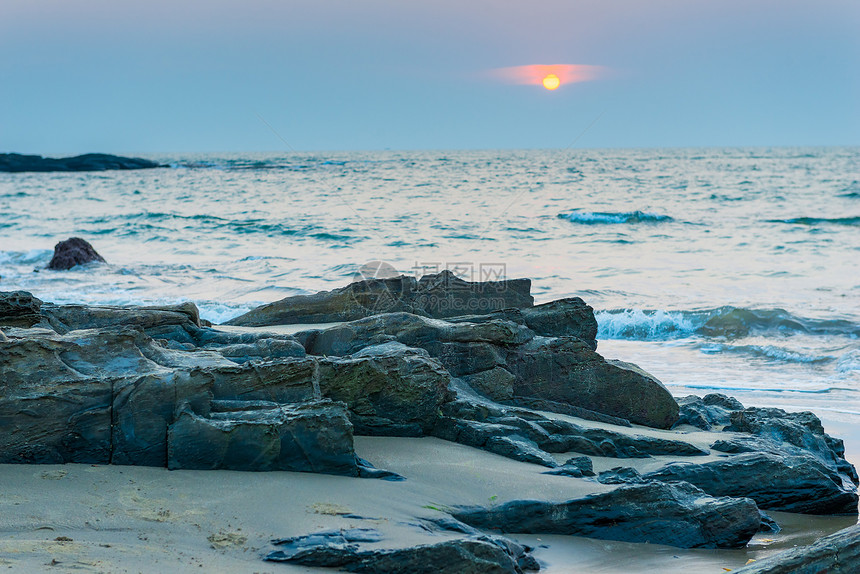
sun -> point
(551, 82)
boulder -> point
(799, 483)
(15, 163)
(306, 437)
(390, 389)
(576, 467)
(838, 553)
(560, 318)
(71, 252)
(566, 370)
(340, 549)
(673, 514)
(54, 422)
(440, 295)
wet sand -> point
(84, 518)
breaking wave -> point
(597, 217)
(727, 322)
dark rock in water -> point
(565, 369)
(340, 549)
(838, 553)
(708, 411)
(71, 252)
(441, 295)
(674, 514)
(19, 309)
(799, 483)
(309, 437)
(14, 162)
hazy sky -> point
(180, 75)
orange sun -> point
(551, 82)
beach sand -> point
(96, 518)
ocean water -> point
(718, 270)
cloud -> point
(535, 73)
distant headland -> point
(14, 162)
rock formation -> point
(156, 386)
(14, 162)
(71, 252)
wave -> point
(726, 322)
(852, 221)
(598, 218)
(776, 353)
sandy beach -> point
(119, 519)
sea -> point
(732, 270)
(718, 270)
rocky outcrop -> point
(440, 295)
(14, 162)
(19, 309)
(708, 411)
(340, 549)
(838, 553)
(790, 483)
(507, 362)
(673, 514)
(307, 437)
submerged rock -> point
(673, 514)
(71, 252)
(838, 553)
(15, 162)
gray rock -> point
(673, 514)
(799, 483)
(566, 370)
(441, 295)
(708, 411)
(19, 309)
(308, 437)
(802, 429)
(71, 252)
(576, 467)
(54, 423)
(340, 549)
(620, 475)
(389, 392)
(560, 318)
(838, 553)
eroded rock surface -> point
(838, 553)
(674, 514)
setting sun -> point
(551, 82)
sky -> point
(274, 75)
